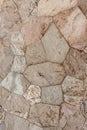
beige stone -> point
(2, 114)
(44, 115)
(73, 25)
(52, 95)
(35, 53)
(15, 82)
(1, 3)
(55, 45)
(33, 94)
(2, 126)
(85, 125)
(52, 7)
(34, 127)
(35, 28)
(45, 74)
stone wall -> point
(43, 64)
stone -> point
(2, 126)
(17, 105)
(35, 53)
(75, 64)
(45, 74)
(52, 7)
(6, 59)
(19, 64)
(2, 114)
(55, 45)
(33, 94)
(34, 127)
(35, 28)
(74, 118)
(85, 125)
(15, 82)
(73, 25)
(1, 3)
(15, 122)
(52, 95)
(44, 115)
(17, 43)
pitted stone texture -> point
(19, 64)
(6, 59)
(16, 123)
(44, 115)
(73, 90)
(17, 105)
(15, 82)
(35, 53)
(33, 94)
(75, 64)
(74, 119)
(83, 6)
(17, 43)
(34, 127)
(73, 25)
(35, 28)
(55, 45)
(52, 95)
(52, 7)
(45, 74)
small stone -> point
(44, 115)
(34, 127)
(45, 74)
(52, 95)
(15, 83)
(19, 64)
(55, 45)
(35, 53)
(52, 7)
(33, 94)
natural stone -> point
(2, 114)
(35, 28)
(15, 82)
(2, 126)
(35, 53)
(85, 125)
(55, 45)
(52, 7)
(33, 94)
(1, 3)
(45, 74)
(73, 25)
(52, 95)
(34, 127)
(44, 115)
(19, 64)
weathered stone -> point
(1, 3)
(16, 83)
(45, 74)
(85, 126)
(35, 28)
(55, 45)
(75, 64)
(73, 25)
(44, 115)
(34, 127)
(17, 105)
(2, 114)
(33, 94)
(16, 123)
(2, 126)
(19, 64)
(6, 59)
(35, 53)
(52, 7)
(52, 95)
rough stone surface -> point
(83, 6)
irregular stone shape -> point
(52, 95)
(16, 83)
(17, 105)
(19, 64)
(1, 3)
(73, 25)
(55, 45)
(75, 64)
(34, 127)
(85, 126)
(35, 28)
(35, 53)
(74, 118)
(44, 115)
(6, 59)
(33, 94)
(17, 43)
(2, 114)
(15, 122)
(45, 74)
(52, 7)
(73, 90)
(2, 126)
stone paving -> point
(43, 64)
